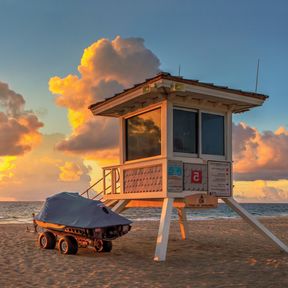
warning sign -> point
(195, 177)
(219, 178)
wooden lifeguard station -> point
(175, 149)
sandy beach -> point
(219, 253)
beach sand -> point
(219, 253)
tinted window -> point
(143, 135)
(212, 134)
(185, 131)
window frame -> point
(200, 154)
(124, 134)
(179, 154)
(210, 156)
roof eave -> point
(166, 84)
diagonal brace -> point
(251, 220)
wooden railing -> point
(112, 188)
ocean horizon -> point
(16, 212)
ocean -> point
(21, 212)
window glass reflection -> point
(143, 135)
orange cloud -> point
(260, 155)
(19, 129)
(43, 178)
(261, 191)
(70, 171)
(7, 164)
(106, 68)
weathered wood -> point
(120, 206)
(143, 179)
(164, 227)
(151, 203)
(183, 223)
(110, 203)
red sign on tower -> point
(196, 176)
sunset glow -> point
(50, 137)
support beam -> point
(110, 203)
(120, 206)
(232, 203)
(183, 223)
(163, 233)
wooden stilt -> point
(183, 223)
(120, 206)
(250, 219)
(163, 233)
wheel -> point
(103, 246)
(107, 246)
(68, 245)
(47, 240)
(98, 245)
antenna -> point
(257, 74)
(179, 70)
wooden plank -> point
(194, 201)
(120, 206)
(150, 203)
(183, 223)
(132, 196)
(164, 227)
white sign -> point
(219, 178)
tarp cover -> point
(71, 209)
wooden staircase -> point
(99, 196)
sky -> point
(57, 57)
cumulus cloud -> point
(106, 68)
(259, 155)
(126, 60)
(12, 102)
(50, 172)
(18, 128)
(71, 171)
(7, 164)
(261, 191)
(86, 137)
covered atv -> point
(78, 221)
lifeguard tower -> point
(175, 150)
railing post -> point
(104, 182)
(118, 181)
(113, 181)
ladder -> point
(99, 196)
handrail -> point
(86, 191)
(103, 179)
(117, 176)
(111, 167)
(100, 192)
(103, 192)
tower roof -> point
(164, 85)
